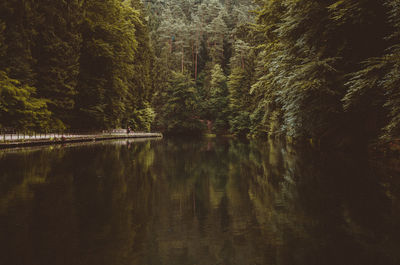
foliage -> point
(19, 108)
(376, 85)
(142, 119)
(240, 101)
(106, 63)
(298, 68)
(194, 37)
(56, 52)
(219, 101)
(309, 55)
(179, 114)
(89, 61)
(140, 92)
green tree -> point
(217, 32)
(219, 100)
(19, 108)
(239, 86)
(373, 95)
(179, 114)
(56, 52)
(106, 63)
(307, 50)
(19, 18)
(138, 114)
(82, 59)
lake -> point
(205, 201)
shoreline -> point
(75, 139)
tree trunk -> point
(195, 67)
(182, 58)
(192, 55)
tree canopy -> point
(75, 65)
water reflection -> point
(195, 202)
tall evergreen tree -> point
(138, 114)
(219, 101)
(56, 52)
(239, 86)
(180, 113)
(106, 63)
(20, 108)
(19, 18)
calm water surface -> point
(195, 202)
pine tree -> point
(179, 114)
(19, 18)
(239, 86)
(106, 63)
(219, 101)
(56, 52)
(217, 31)
(138, 114)
(20, 108)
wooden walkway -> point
(49, 140)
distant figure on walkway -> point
(128, 130)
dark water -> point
(195, 202)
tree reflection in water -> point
(195, 202)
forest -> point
(326, 71)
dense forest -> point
(74, 64)
(322, 70)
